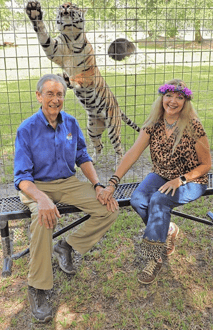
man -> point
(47, 147)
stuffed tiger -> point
(73, 52)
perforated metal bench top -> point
(11, 208)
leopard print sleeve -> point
(148, 130)
(197, 129)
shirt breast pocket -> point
(70, 151)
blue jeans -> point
(154, 207)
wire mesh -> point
(172, 39)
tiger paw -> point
(67, 80)
(34, 11)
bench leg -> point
(58, 233)
(7, 251)
(210, 214)
(191, 217)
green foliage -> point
(156, 17)
(49, 8)
(5, 16)
(167, 17)
(98, 12)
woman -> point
(181, 160)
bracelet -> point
(183, 179)
(116, 178)
(98, 184)
(113, 181)
(113, 185)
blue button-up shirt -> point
(44, 153)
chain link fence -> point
(169, 38)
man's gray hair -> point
(51, 77)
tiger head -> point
(71, 17)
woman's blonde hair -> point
(187, 114)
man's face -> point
(51, 99)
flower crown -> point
(172, 88)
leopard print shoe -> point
(152, 252)
(150, 271)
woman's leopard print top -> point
(171, 165)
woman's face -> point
(173, 103)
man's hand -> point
(90, 173)
(99, 192)
(47, 212)
(110, 202)
(106, 194)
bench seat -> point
(11, 208)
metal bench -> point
(11, 208)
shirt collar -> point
(45, 121)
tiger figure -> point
(74, 54)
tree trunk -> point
(198, 36)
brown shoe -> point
(41, 310)
(172, 235)
(150, 272)
(62, 250)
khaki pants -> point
(68, 191)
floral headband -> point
(172, 88)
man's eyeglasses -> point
(51, 95)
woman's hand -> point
(112, 205)
(170, 186)
(105, 196)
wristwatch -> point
(98, 184)
(183, 179)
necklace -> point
(169, 126)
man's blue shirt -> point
(45, 154)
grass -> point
(135, 94)
(105, 292)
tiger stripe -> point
(72, 51)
